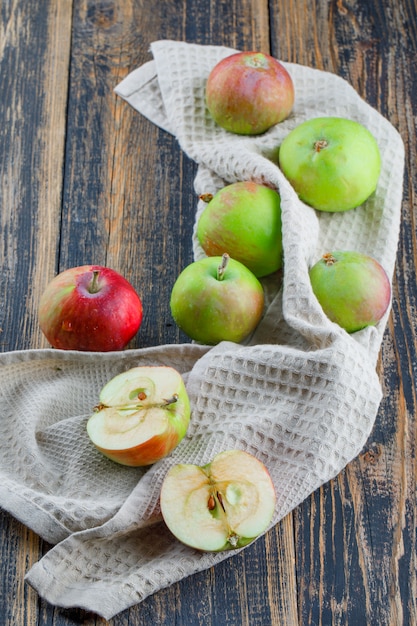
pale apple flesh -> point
(142, 415)
(223, 505)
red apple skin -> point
(78, 312)
(249, 92)
(146, 453)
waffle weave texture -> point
(301, 394)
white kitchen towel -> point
(301, 394)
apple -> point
(142, 415)
(217, 299)
(89, 307)
(244, 219)
(248, 92)
(352, 288)
(333, 163)
(223, 505)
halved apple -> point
(142, 416)
(223, 505)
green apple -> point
(223, 505)
(217, 299)
(248, 92)
(333, 163)
(142, 415)
(353, 289)
(244, 219)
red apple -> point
(142, 415)
(90, 308)
(223, 505)
(248, 92)
(217, 299)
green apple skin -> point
(244, 219)
(249, 92)
(223, 505)
(210, 310)
(333, 163)
(143, 414)
(352, 288)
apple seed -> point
(211, 504)
(220, 499)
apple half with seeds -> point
(142, 415)
(223, 505)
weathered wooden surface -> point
(84, 179)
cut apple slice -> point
(142, 415)
(223, 505)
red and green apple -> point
(223, 505)
(90, 308)
(249, 92)
(352, 288)
(142, 415)
(217, 299)
(244, 219)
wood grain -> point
(360, 528)
(86, 179)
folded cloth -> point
(301, 394)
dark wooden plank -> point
(34, 62)
(360, 567)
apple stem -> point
(94, 287)
(222, 267)
(131, 407)
(172, 399)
